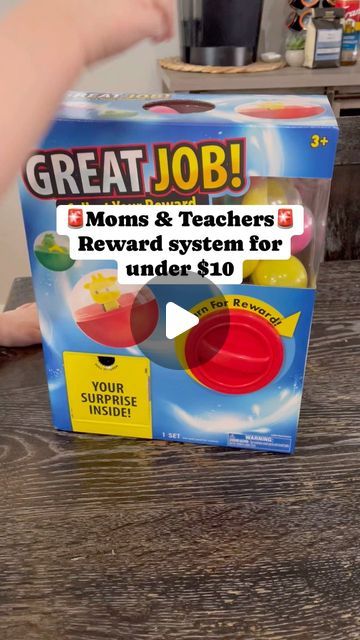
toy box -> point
(103, 149)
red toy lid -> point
(249, 359)
(281, 112)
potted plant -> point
(295, 50)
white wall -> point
(134, 71)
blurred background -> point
(138, 71)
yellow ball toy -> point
(257, 194)
(271, 191)
(248, 267)
(280, 273)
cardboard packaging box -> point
(106, 149)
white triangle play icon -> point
(178, 320)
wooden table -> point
(105, 538)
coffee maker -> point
(219, 32)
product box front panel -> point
(104, 375)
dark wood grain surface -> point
(343, 236)
(348, 149)
(343, 233)
(104, 538)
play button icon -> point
(178, 320)
(181, 304)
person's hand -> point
(48, 43)
(20, 327)
(107, 27)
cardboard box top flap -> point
(169, 109)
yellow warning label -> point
(109, 394)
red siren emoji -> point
(75, 218)
(285, 218)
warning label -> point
(109, 394)
(260, 442)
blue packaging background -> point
(181, 408)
